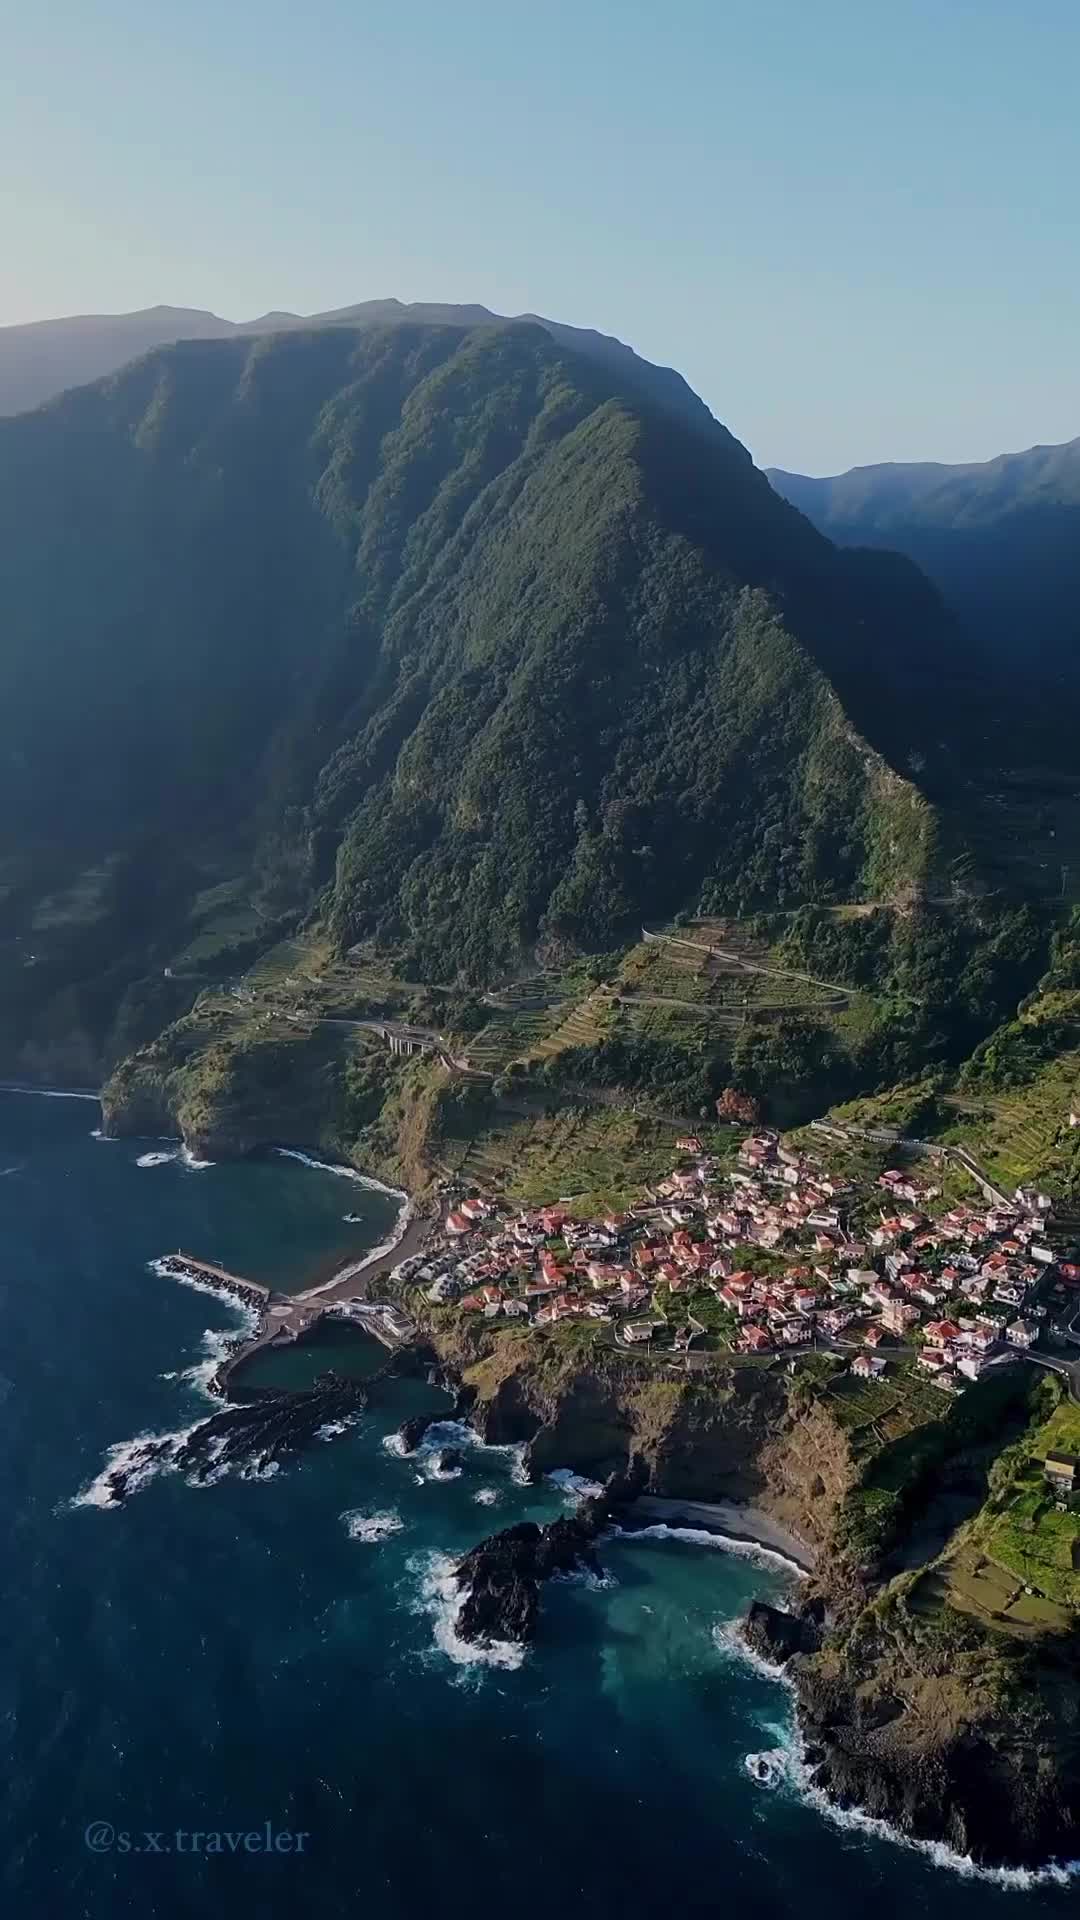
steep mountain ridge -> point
(456, 633)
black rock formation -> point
(411, 1432)
(254, 1436)
(501, 1577)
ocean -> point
(276, 1657)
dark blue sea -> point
(276, 1657)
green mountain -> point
(462, 637)
(1000, 539)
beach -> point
(735, 1520)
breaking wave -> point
(139, 1460)
(344, 1172)
(371, 1526)
(157, 1159)
(396, 1234)
(788, 1762)
(217, 1343)
(440, 1597)
(574, 1485)
(49, 1093)
(726, 1543)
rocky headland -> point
(944, 1726)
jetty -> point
(187, 1266)
(284, 1318)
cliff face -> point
(948, 1731)
(944, 1726)
(742, 1435)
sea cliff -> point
(951, 1729)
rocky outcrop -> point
(411, 1432)
(254, 1437)
(501, 1578)
(776, 1636)
(951, 1733)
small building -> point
(755, 1340)
(971, 1365)
(1021, 1333)
(1062, 1474)
(932, 1360)
(640, 1330)
(868, 1366)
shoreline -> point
(50, 1093)
(409, 1226)
(746, 1525)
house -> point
(1021, 1333)
(755, 1340)
(458, 1223)
(972, 1364)
(940, 1331)
(1062, 1474)
(932, 1360)
(868, 1366)
(835, 1320)
(689, 1143)
(873, 1337)
(795, 1333)
(899, 1316)
(640, 1330)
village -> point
(766, 1254)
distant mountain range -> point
(1001, 539)
(46, 357)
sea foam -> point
(574, 1485)
(789, 1763)
(440, 1597)
(371, 1527)
(726, 1543)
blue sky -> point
(853, 225)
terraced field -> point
(1024, 1134)
(585, 1023)
(601, 1157)
(879, 1411)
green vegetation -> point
(907, 1436)
(450, 636)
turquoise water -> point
(280, 1651)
